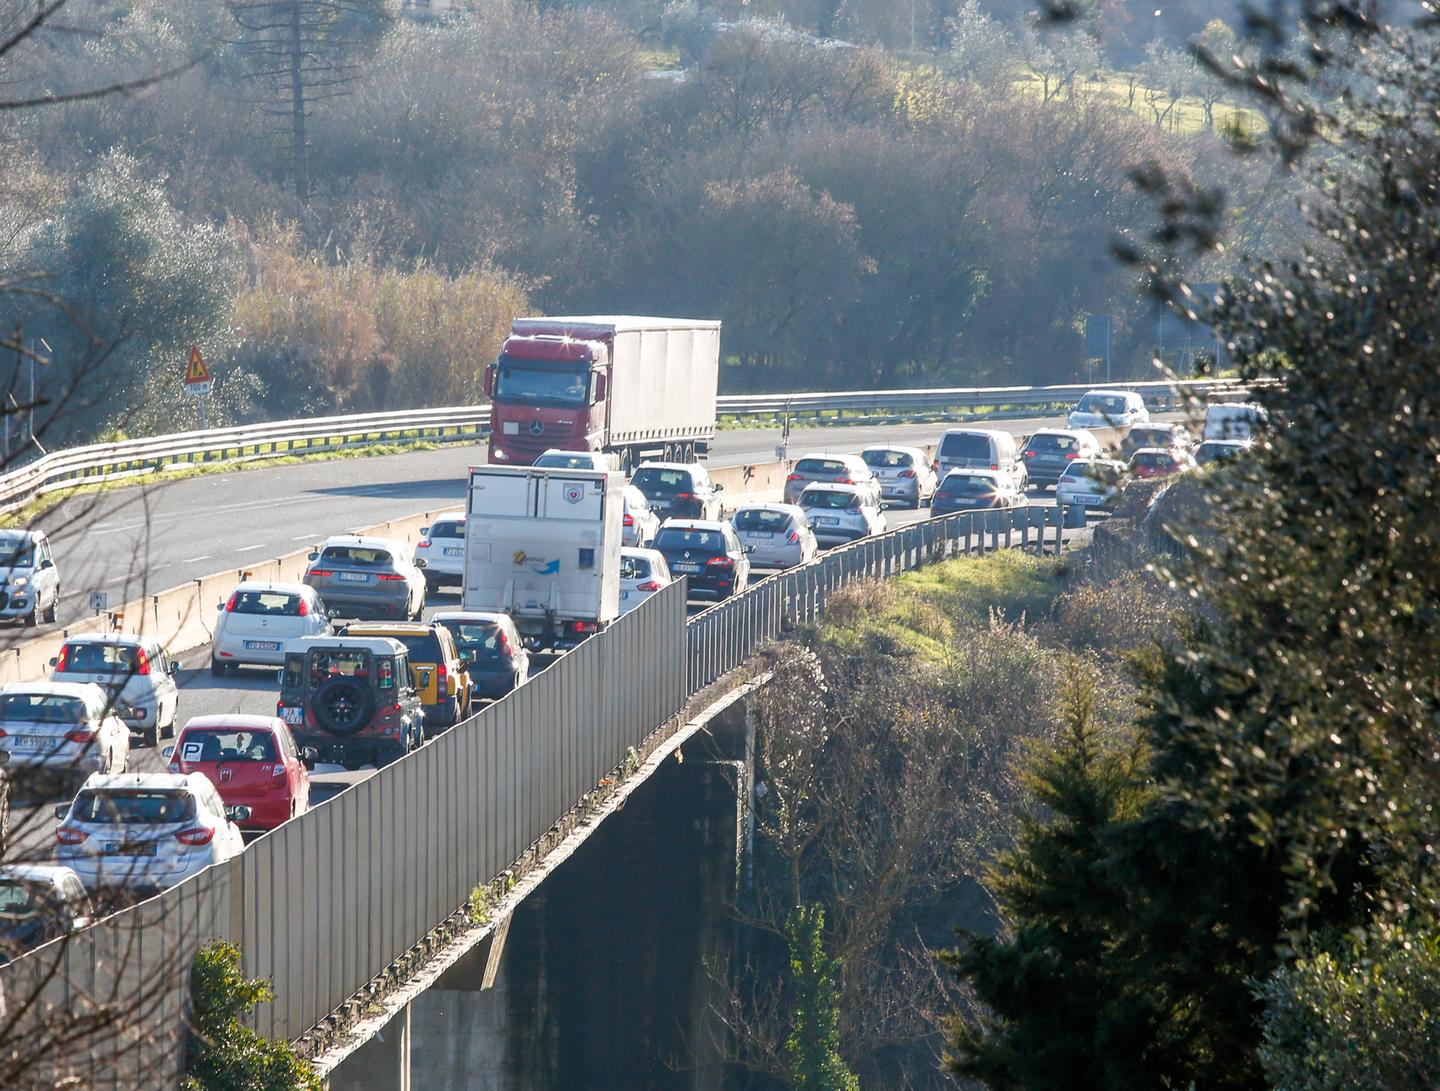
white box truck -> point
(635, 386)
(543, 545)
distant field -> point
(1187, 116)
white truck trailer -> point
(543, 545)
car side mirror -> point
(237, 813)
(47, 563)
(168, 752)
(309, 756)
(424, 532)
(219, 606)
(748, 549)
(62, 811)
(55, 662)
(419, 562)
(312, 556)
(176, 666)
(718, 488)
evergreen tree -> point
(812, 1046)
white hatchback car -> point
(146, 831)
(777, 535)
(642, 573)
(257, 619)
(905, 474)
(29, 580)
(134, 671)
(1090, 483)
(1108, 409)
(441, 550)
(641, 522)
(61, 728)
(841, 513)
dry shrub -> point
(357, 335)
(1123, 615)
(854, 604)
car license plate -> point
(263, 645)
(29, 742)
(827, 521)
(1085, 498)
(130, 848)
(685, 568)
(454, 551)
(660, 505)
(292, 715)
(763, 535)
(352, 577)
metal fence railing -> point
(325, 904)
(98, 462)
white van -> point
(1234, 420)
(979, 449)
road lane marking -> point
(192, 560)
(247, 549)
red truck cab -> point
(547, 391)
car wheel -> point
(52, 612)
(217, 668)
(32, 616)
(151, 736)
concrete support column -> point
(382, 1064)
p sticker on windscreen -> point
(191, 751)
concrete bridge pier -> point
(382, 1064)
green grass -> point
(181, 471)
(1188, 116)
(920, 612)
(662, 59)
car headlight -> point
(19, 582)
(499, 453)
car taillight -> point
(80, 736)
(230, 603)
(907, 473)
(63, 662)
(67, 836)
(442, 680)
(720, 562)
(793, 477)
(304, 610)
(142, 662)
(505, 645)
(1072, 456)
(391, 576)
(424, 544)
(583, 626)
(993, 466)
(196, 835)
(629, 520)
(844, 481)
(684, 496)
(648, 585)
(278, 773)
(321, 572)
(1029, 454)
(935, 467)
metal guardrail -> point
(325, 905)
(98, 462)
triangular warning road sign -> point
(196, 371)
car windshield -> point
(567, 461)
(480, 639)
(965, 485)
(829, 500)
(134, 806)
(26, 898)
(679, 538)
(524, 381)
(362, 556)
(454, 529)
(1091, 472)
(634, 568)
(761, 519)
(1111, 405)
(84, 657)
(328, 663)
(1150, 437)
(965, 445)
(1209, 452)
(886, 458)
(824, 466)
(423, 647)
(1050, 443)
(1152, 459)
(270, 603)
(653, 481)
(226, 744)
(42, 708)
(17, 551)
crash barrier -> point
(724, 636)
(328, 903)
(99, 462)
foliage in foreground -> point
(1292, 738)
(222, 1053)
(813, 1045)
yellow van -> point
(440, 678)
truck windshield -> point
(519, 381)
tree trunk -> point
(297, 107)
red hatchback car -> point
(251, 760)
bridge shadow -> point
(438, 487)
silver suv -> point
(29, 580)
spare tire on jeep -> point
(343, 706)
